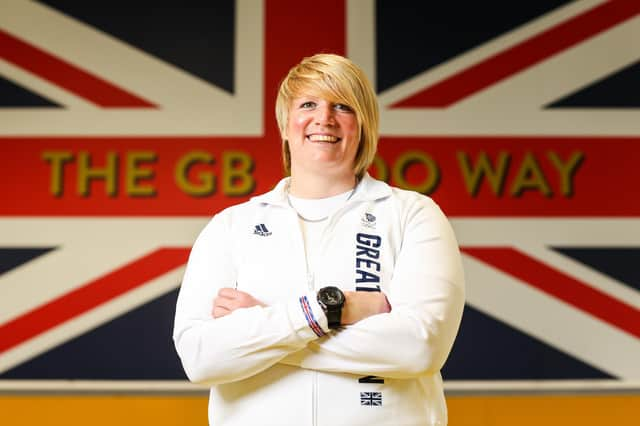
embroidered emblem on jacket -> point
(371, 398)
(261, 230)
(368, 220)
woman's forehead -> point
(317, 92)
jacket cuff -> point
(308, 318)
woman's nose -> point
(324, 115)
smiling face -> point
(337, 80)
(323, 136)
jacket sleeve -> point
(245, 342)
(426, 294)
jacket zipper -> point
(311, 284)
(314, 394)
(310, 276)
(314, 381)
(310, 287)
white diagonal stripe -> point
(535, 237)
(91, 319)
(552, 321)
(560, 75)
(187, 104)
(86, 249)
(42, 87)
(486, 50)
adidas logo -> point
(261, 230)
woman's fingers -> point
(230, 299)
(219, 311)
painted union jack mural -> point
(123, 128)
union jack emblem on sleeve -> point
(371, 398)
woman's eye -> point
(343, 107)
(307, 104)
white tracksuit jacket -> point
(280, 365)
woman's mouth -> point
(323, 138)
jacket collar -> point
(368, 189)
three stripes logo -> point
(261, 230)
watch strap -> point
(333, 317)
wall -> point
(122, 130)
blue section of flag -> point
(134, 346)
(619, 90)
(198, 39)
(11, 257)
(488, 349)
(620, 263)
(13, 95)
(404, 40)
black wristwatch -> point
(331, 300)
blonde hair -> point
(336, 79)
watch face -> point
(331, 296)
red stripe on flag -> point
(286, 45)
(66, 75)
(558, 284)
(523, 55)
(90, 296)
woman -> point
(336, 298)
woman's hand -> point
(359, 305)
(229, 299)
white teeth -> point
(323, 138)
